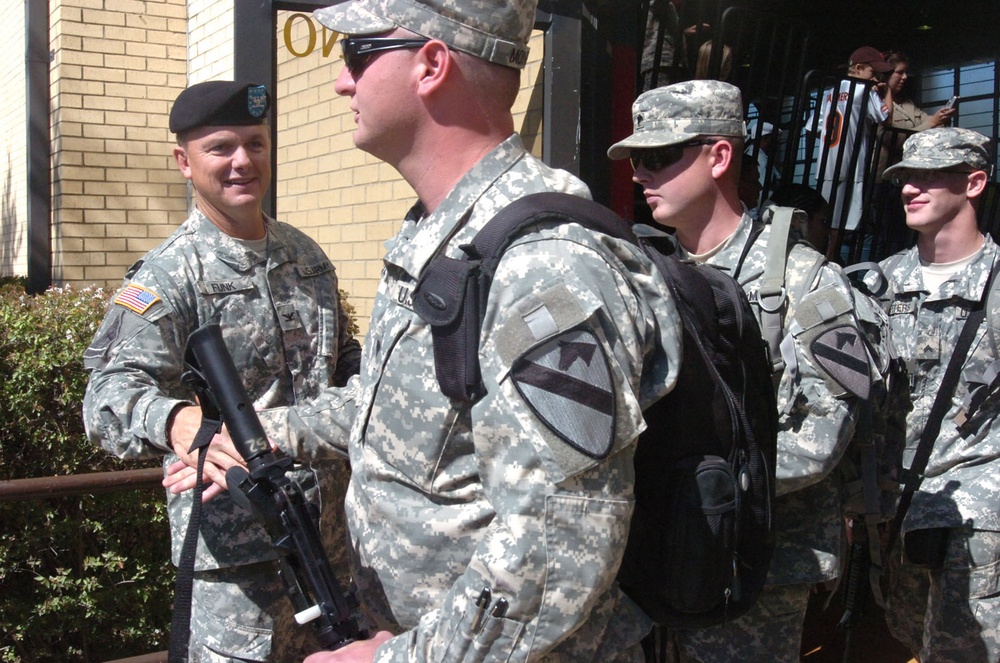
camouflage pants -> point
(951, 614)
(770, 631)
(241, 614)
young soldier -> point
(686, 149)
(944, 603)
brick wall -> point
(13, 142)
(116, 191)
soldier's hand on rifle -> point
(222, 455)
(360, 651)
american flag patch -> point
(136, 298)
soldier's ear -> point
(723, 158)
(183, 164)
(976, 184)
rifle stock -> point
(276, 501)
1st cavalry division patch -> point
(567, 383)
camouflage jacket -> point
(815, 422)
(512, 494)
(281, 321)
(961, 487)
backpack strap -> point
(451, 293)
(772, 296)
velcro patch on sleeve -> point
(567, 383)
(136, 298)
(840, 353)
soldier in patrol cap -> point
(686, 151)
(274, 293)
(944, 602)
(488, 530)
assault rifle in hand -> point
(276, 501)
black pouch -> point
(926, 547)
(699, 539)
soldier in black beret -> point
(275, 295)
(219, 104)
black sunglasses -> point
(920, 177)
(657, 158)
(358, 51)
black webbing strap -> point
(914, 475)
(451, 293)
(180, 623)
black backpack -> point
(700, 541)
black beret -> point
(219, 103)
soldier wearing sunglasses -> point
(486, 530)
(686, 149)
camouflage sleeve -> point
(565, 338)
(816, 415)
(315, 430)
(135, 363)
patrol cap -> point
(494, 30)
(944, 147)
(681, 112)
(219, 103)
(872, 56)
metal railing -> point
(20, 490)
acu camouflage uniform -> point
(816, 415)
(282, 321)
(446, 499)
(961, 488)
(952, 613)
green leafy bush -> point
(83, 578)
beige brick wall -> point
(13, 142)
(346, 199)
(116, 191)
(210, 40)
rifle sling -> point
(180, 623)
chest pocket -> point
(235, 303)
(419, 432)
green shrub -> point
(83, 578)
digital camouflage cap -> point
(682, 112)
(944, 147)
(494, 30)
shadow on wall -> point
(11, 237)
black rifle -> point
(275, 500)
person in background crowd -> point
(816, 230)
(837, 109)
(905, 114)
(274, 293)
